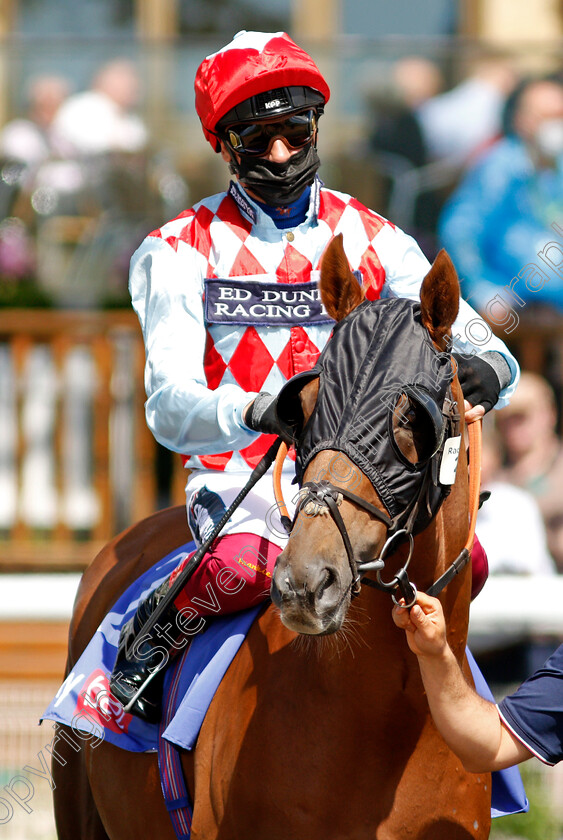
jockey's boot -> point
(139, 656)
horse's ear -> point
(439, 297)
(340, 290)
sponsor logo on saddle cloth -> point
(97, 703)
(263, 301)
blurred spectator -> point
(395, 127)
(461, 121)
(396, 141)
(418, 79)
(102, 119)
(29, 139)
(509, 524)
(90, 206)
(534, 454)
(499, 218)
(26, 144)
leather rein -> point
(324, 494)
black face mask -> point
(278, 183)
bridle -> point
(328, 496)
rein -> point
(329, 496)
(182, 578)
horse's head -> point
(371, 421)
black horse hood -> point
(378, 352)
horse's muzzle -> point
(311, 599)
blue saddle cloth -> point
(84, 703)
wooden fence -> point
(77, 462)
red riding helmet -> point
(256, 63)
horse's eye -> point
(405, 413)
(412, 431)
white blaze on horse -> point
(333, 738)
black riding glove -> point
(480, 379)
(262, 416)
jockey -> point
(228, 303)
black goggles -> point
(256, 138)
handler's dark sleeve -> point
(534, 713)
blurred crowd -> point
(474, 166)
(81, 182)
(521, 522)
(477, 168)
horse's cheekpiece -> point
(365, 381)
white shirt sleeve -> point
(405, 268)
(184, 415)
(512, 532)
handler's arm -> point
(470, 725)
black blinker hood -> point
(379, 351)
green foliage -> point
(22, 293)
(540, 823)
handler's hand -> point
(424, 625)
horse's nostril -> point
(328, 581)
(282, 590)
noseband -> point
(325, 495)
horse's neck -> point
(369, 657)
(439, 546)
(435, 549)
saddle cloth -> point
(84, 703)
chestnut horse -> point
(310, 736)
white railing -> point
(508, 605)
(77, 463)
